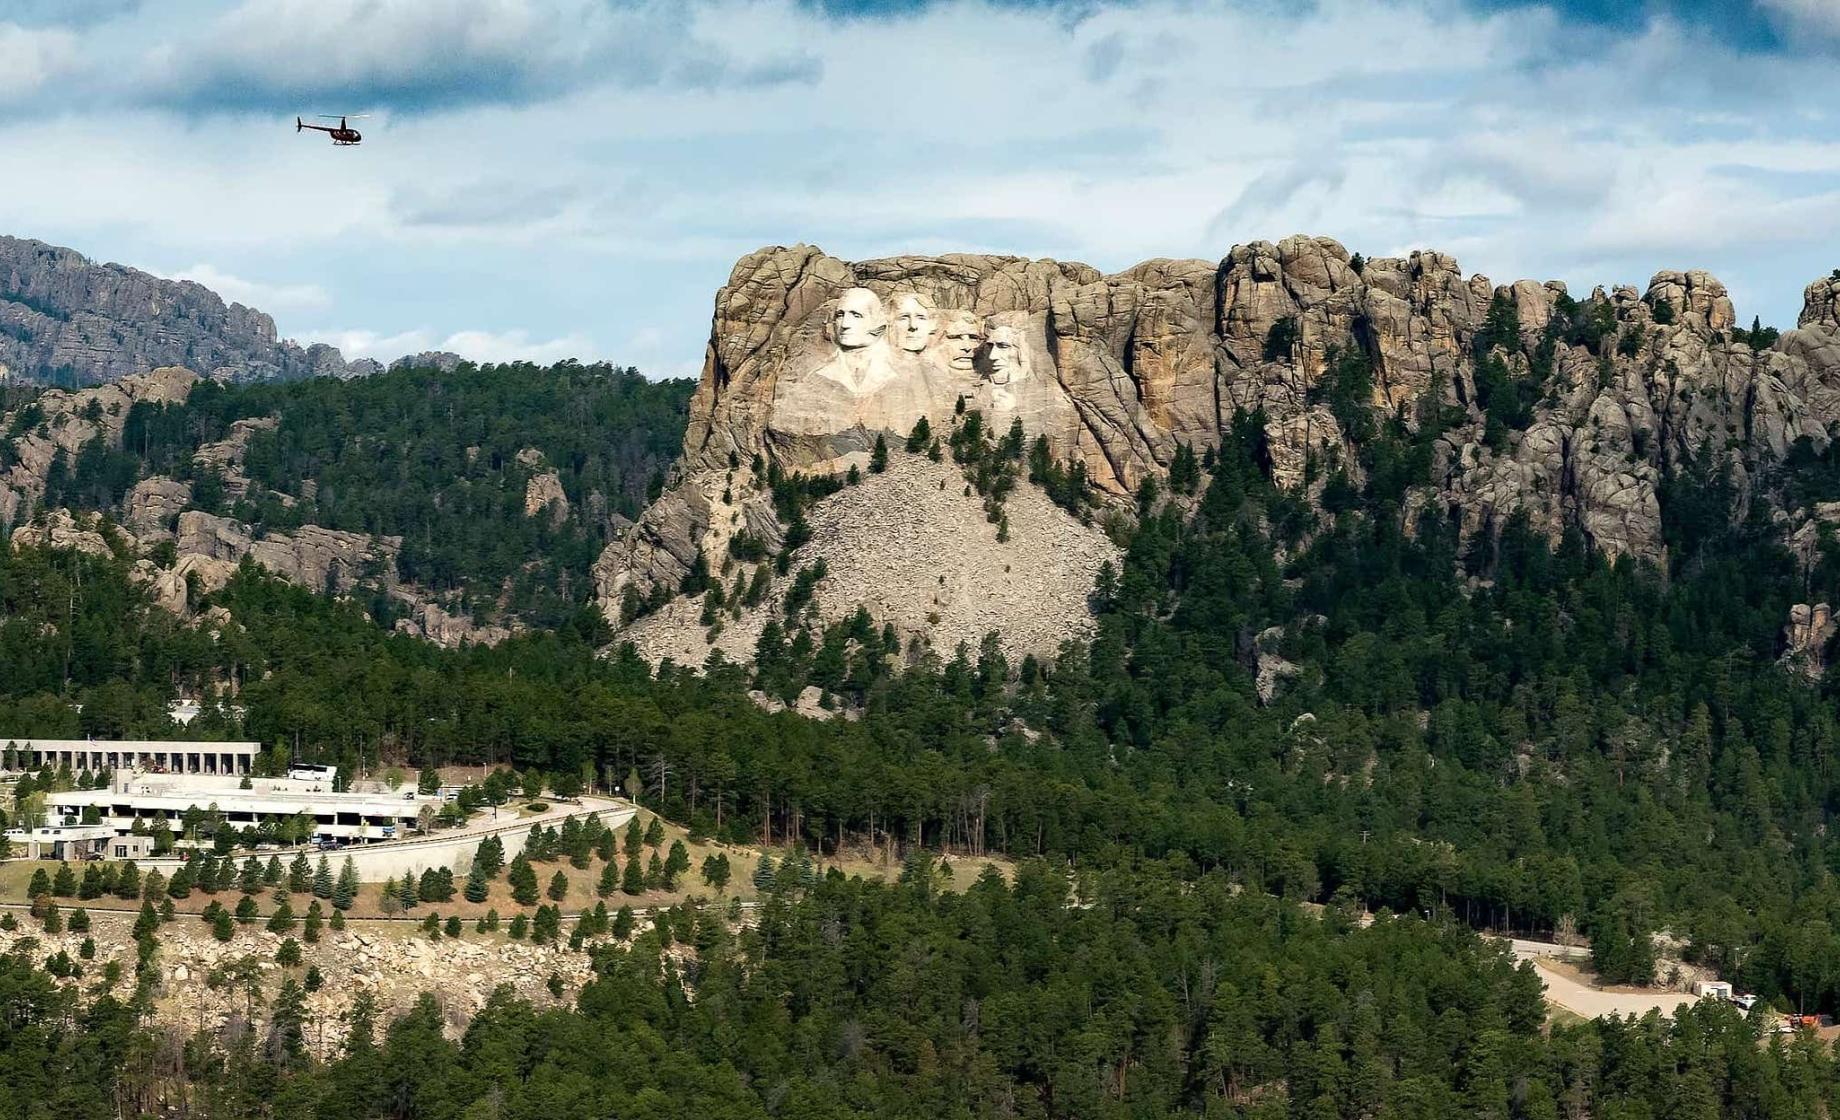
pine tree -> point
(763, 873)
(64, 883)
(523, 880)
(222, 927)
(406, 894)
(249, 880)
(322, 878)
(654, 833)
(559, 887)
(300, 875)
(716, 871)
(609, 881)
(654, 872)
(477, 887)
(635, 836)
(146, 922)
(878, 458)
(632, 881)
(128, 882)
(345, 890)
(271, 874)
(675, 864)
(490, 857)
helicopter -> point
(343, 134)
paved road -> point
(1582, 999)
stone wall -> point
(387, 860)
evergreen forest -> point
(1500, 735)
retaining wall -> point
(390, 859)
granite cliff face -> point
(811, 357)
(67, 320)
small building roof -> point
(247, 801)
(129, 746)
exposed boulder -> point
(59, 528)
(153, 507)
(224, 457)
(60, 421)
(429, 621)
(1805, 638)
(444, 360)
(544, 495)
(314, 557)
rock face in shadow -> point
(810, 358)
(65, 319)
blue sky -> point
(575, 178)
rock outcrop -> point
(153, 507)
(317, 558)
(155, 515)
(919, 554)
(428, 621)
(64, 318)
(543, 493)
(444, 360)
(1806, 636)
(60, 421)
(810, 358)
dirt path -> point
(1593, 1002)
(1580, 998)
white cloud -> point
(474, 345)
(31, 59)
(1819, 17)
(272, 298)
(611, 205)
(432, 55)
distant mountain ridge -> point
(67, 320)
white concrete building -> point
(151, 755)
(344, 817)
(59, 842)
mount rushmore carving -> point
(810, 358)
(880, 364)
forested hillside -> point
(1300, 703)
(1525, 738)
(443, 460)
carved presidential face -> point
(859, 319)
(1006, 361)
(964, 336)
(914, 322)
